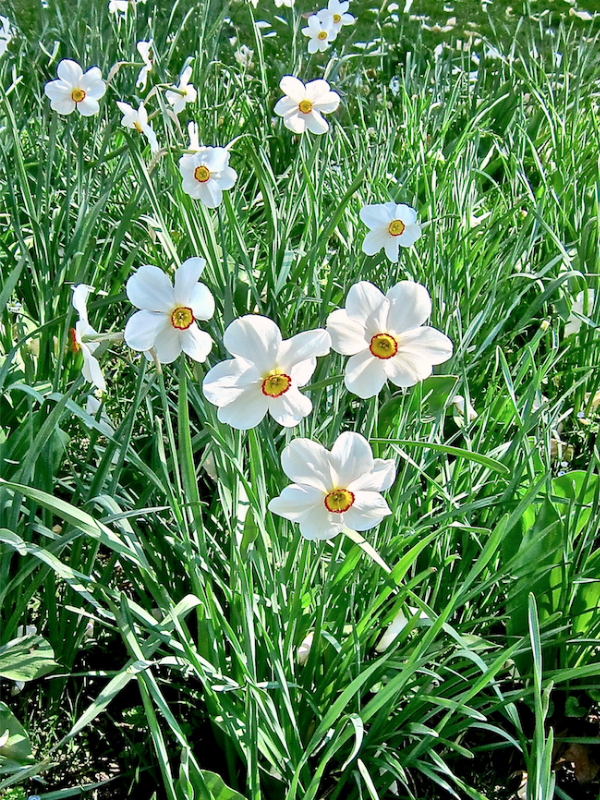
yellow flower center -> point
(137, 126)
(396, 227)
(339, 500)
(383, 345)
(181, 318)
(201, 174)
(322, 35)
(77, 95)
(337, 18)
(305, 106)
(275, 384)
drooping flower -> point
(185, 94)
(303, 106)
(138, 120)
(391, 227)
(91, 368)
(145, 51)
(386, 338)
(334, 490)
(243, 55)
(5, 34)
(266, 373)
(320, 33)
(463, 412)
(75, 90)
(336, 15)
(574, 322)
(206, 174)
(167, 319)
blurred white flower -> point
(193, 133)
(5, 34)
(92, 407)
(320, 34)
(185, 94)
(138, 120)
(334, 490)
(91, 368)
(266, 373)
(75, 90)
(206, 174)
(574, 322)
(303, 651)
(396, 627)
(336, 16)
(145, 51)
(118, 7)
(279, 3)
(584, 15)
(459, 411)
(243, 55)
(391, 227)
(303, 106)
(167, 319)
(386, 338)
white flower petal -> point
(368, 509)
(215, 158)
(318, 524)
(149, 288)
(289, 409)
(295, 122)
(210, 193)
(168, 344)
(246, 411)
(301, 373)
(285, 105)
(380, 478)
(392, 248)
(58, 91)
(227, 381)
(70, 72)
(308, 462)
(79, 299)
(202, 302)
(296, 500)
(365, 374)
(92, 83)
(406, 369)
(227, 177)
(348, 335)
(411, 234)
(427, 343)
(407, 214)
(410, 306)
(375, 240)
(377, 215)
(293, 88)
(256, 339)
(351, 457)
(65, 107)
(195, 343)
(88, 107)
(186, 279)
(316, 123)
(365, 302)
(143, 328)
(91, 369)
(307, 345)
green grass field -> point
(163, 634)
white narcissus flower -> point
(243, 55)
(336, 15)
(194, 140)
(574, 322)
(75, 90)
(397, 625)
(391, 227)
(5, 35)
(118, 7)
(460, 418)
(320, 33)
(138, 120)
(145, 51)
(386, 338)
(266, 373)
(334, 490)
(167, 319)
(91, 368)
(303, 106)
(279, 3)
(206, 174)
(186, 93)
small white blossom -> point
(91, 368)
(243, 55)
(145, 51)
(167, 317)
(336, 16)
(75, 90)
(138, 120)
(279, 3)
(266, 374)
(391, 227)
(5, 34)
(320, 33)
(334, 489)
(118, 7)
(185, 94)
(386, 338)
(206, 174)
(303, 106)
(574, 322)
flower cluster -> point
(324, 26)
